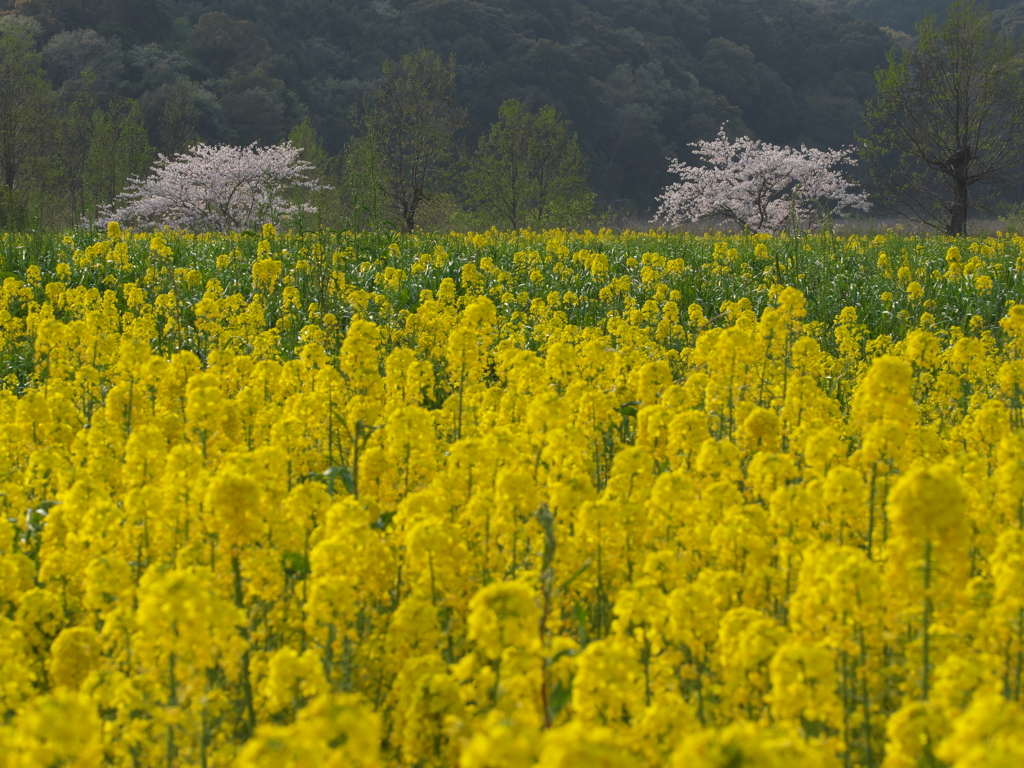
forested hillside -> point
(638, 79)
(903, 15)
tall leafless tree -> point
(412, 122)
(947, 116)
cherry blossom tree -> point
(217, 188)
(760, 186)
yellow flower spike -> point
(107, 580)
(180, 615)
(912, 734)
(18, 664)
(427, 712)
(504, 615)
(358, 360)
(761, 431)
(748, 743)
(74, 653)
(333, 731)
(653, 379)
(803, 686)
(929, 504)
(58, 728)
(233, 501)
(292, 680)
(577, 744)
(885, 393)
(265, 274)
(747, 640)
(986, 735)
(501, 739)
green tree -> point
(362, 195)
(69, 148)
(119, 149)
(529, 170)
(947, 117)
(82, 59)
(256, 107)
(325, 168)
(25, 113)
(731, 70)
(561, 195)
(134, 21)
(179, 119)
(222, 43)
(412, 122)
(498, 179)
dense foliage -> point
(638, 79)
(904, 15)
(549, 499)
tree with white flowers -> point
(218, 188)
(760, 186)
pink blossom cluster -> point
(217, 188)
(760, 186)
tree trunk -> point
(409, 210)
(10, 173)
(958, 210)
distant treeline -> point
(904, 15)
(638, 80)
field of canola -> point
(501, 501)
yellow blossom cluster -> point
(250, 524)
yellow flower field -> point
(503, 501)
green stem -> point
(865, 700)
(1020, 654)
(172, 701)
(927, 618)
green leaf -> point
(295, 565)
(560, 696)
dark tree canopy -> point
(24, 105)
(904, 15)
(947, 117)
(638, 79)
